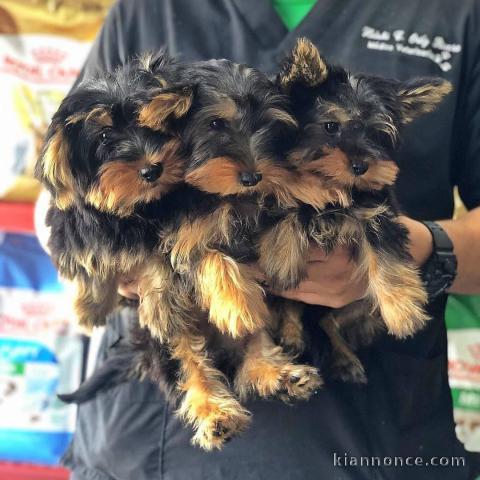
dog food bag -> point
(40, 355)
(43, 45)
(463, 322)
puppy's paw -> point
(232, 295)
(293, 346)
(298, 382)
(292, 336)
(220, 426)
(348, 369)
(281, 379)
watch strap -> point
(440, 269)
(441, 241)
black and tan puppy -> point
(108, 168)
(349, 128)
(235, 134)
(239, 132)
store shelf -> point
(18, 218)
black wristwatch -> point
(440, 270)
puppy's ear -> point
(53, 167)
(155, 64)
(168, 104)
(304, 66)
(421, 96)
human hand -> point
(331, 279)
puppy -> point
(235, 135)
(109, 168)
(349, 128)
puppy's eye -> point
(331, 127)
(217, 124)
(105, 136)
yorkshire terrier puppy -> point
(108, 163)
(235, 135)
(349, 128)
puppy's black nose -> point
(248, 179)
(359, 167)
(152, 172)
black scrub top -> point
(405, 410)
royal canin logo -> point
(48, 55)
(47, 67)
